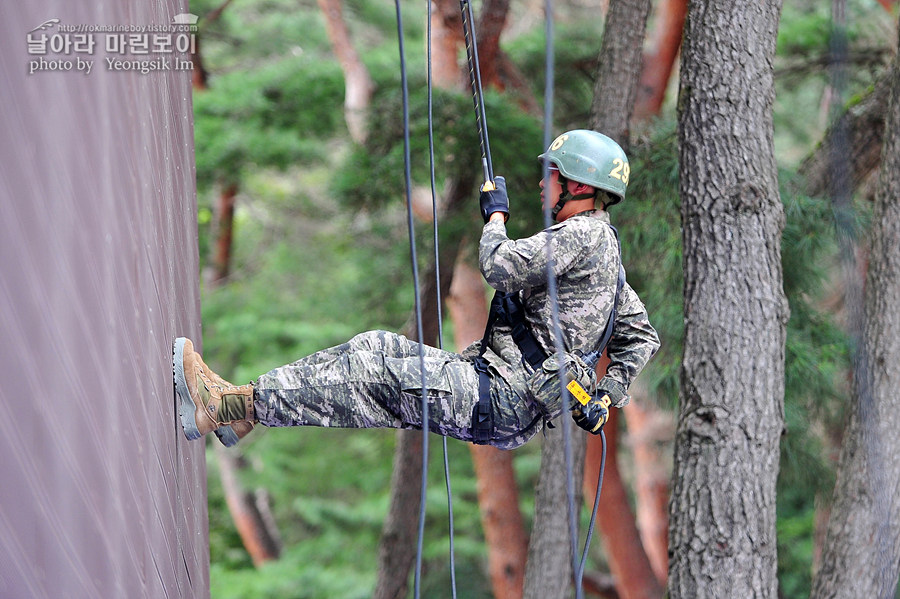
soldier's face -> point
(550, 188)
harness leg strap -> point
(482, 415)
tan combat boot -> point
(207, 402)
(228, 434)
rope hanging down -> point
(437, 286)
(418, 302)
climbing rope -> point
(579, 574)
(437, 277)
(418, 300)
(468, 22)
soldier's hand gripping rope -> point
(591, 412)
(591, 416)
(494, 200)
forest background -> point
(303, 244)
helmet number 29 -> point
(621, 170)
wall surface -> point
(100, 494)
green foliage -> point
(576, 49)
(796, 532)
(804, 31)
(802, 69)
(649, 224)
(331, 528)
(374, 173)
(274, 310)
(272, 117)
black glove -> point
(495, 200)
(593, 416)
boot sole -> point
(186, 406)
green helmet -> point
(593, 159)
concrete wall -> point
(100, 494)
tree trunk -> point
(650, 430)
(199, 74)
(498, 498)
(618, 68)
(446, 41)
(862, 128)
(259, 537)
(862, 547)
(220, 265)
(491, 22)
(358, 85)
(659, 63)
(397, 545)
(722, 527)
(615, 519)
(548, 573)
(600, 585)
(504, 530)
(497, 70)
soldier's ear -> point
(583, 188)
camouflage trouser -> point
(374, 381)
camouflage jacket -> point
(586, 264)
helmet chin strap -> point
(566, 197)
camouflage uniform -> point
(374, 380)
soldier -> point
(499, 390)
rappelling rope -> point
(418, 303)
(437, 277)
(579, 574)
(468, 23)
